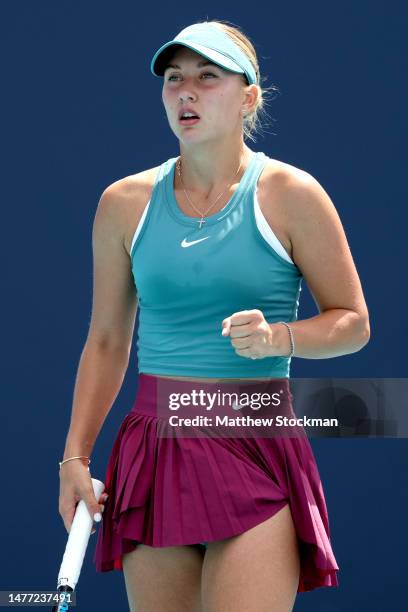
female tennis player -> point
(212, 245)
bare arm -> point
(321, 252)
(105, 356)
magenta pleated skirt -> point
(168, 489)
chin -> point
(191, 135)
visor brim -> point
(162, 56)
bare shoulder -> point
(319, 245)
(125, 200)
(274, 194)
(286, 181)
(291, 199)
(305, 204)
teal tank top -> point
(189, 279)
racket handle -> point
(77, 541)
(63, 605)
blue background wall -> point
(80, 109)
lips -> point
(189, 121)
(188, 110)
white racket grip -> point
(78, 540)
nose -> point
(185, 96)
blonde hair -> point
(252, 121)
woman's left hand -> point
(251, 335)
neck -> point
(206, 167)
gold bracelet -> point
(70, 458)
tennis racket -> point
(75, 549)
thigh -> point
(257, 570)
(167, 579)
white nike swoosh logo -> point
(188, 244)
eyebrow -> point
(199, 64)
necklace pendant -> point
(202, 220)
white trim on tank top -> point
(261, 223)
(267, 231)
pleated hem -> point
(311, 577)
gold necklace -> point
(201, 213)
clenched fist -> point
(251, 335)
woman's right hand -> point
(76, 484)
